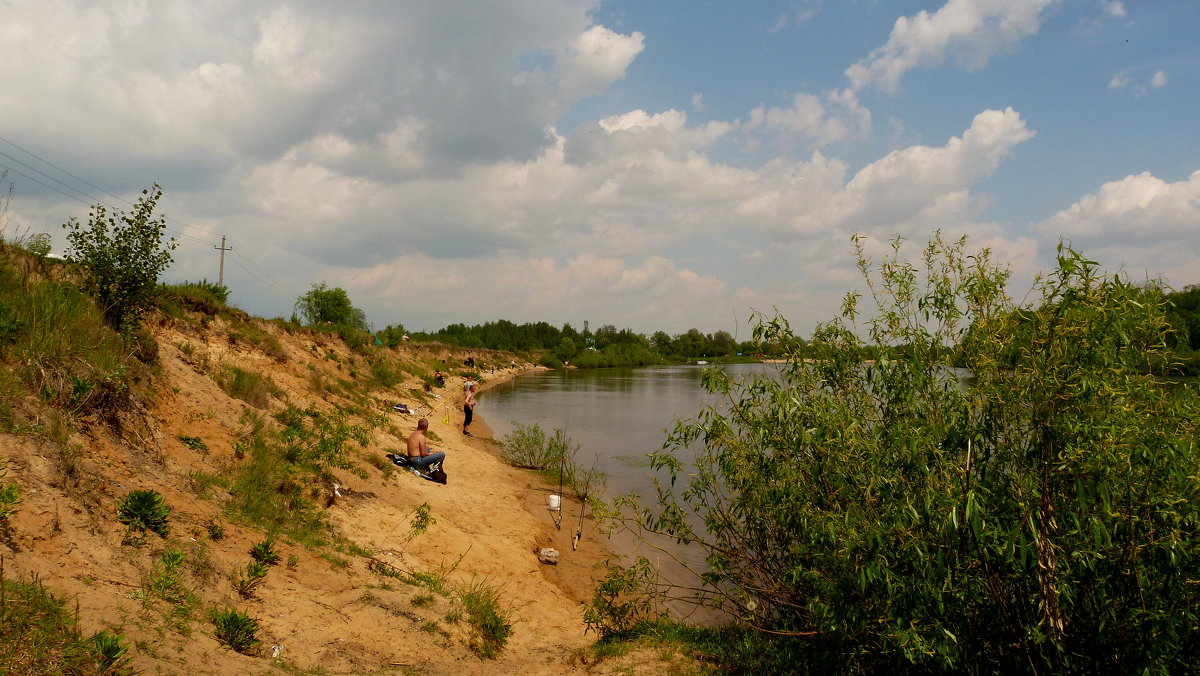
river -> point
(617, 417)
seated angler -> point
(419, 458)
(418, 447)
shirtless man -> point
(418, 448)
(468, 409)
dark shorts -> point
(469, 412)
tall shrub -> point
(122, 256)
(1042, 515)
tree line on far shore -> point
(609, 346)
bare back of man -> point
(418, 448)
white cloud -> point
(799, 13)
(920, 188)
(598, 58)
(1140, 221)
(1122, 80)
(971, 31)
(822, 120)
(1114, 9)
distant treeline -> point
(608, 346)
(604, 347)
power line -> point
(47, 176)
(41, 159)
(44, 185)
(239, 259)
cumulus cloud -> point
(1141, 222)
(597, 58)
(162, 84)
(1115, 9)
(920, 188)
(970, 31)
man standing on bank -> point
(468, 409)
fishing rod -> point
(583, 496)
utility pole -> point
(222, 249)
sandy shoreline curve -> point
(577, 569)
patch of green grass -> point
(422, 600)
(39, 634)
(204, 484)
(334, 561)
(194, 443)
(253, 388)
(252, 333)
(56, 343)
(487, 617)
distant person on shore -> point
(468, 409)
(418, 449)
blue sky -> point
(651, 165)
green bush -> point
(122, 256)
(235, 629)
(144, 510)
(525, 447)
(624, 598)
(887, 516)
(323, 305)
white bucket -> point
(554, 503)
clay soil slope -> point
(355, 607)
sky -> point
(660, 165)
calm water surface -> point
(617, 417)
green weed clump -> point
(165, 583)
(10, 495)
(145, 510)
(235, 629)
(264, 552)
(247, 583)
